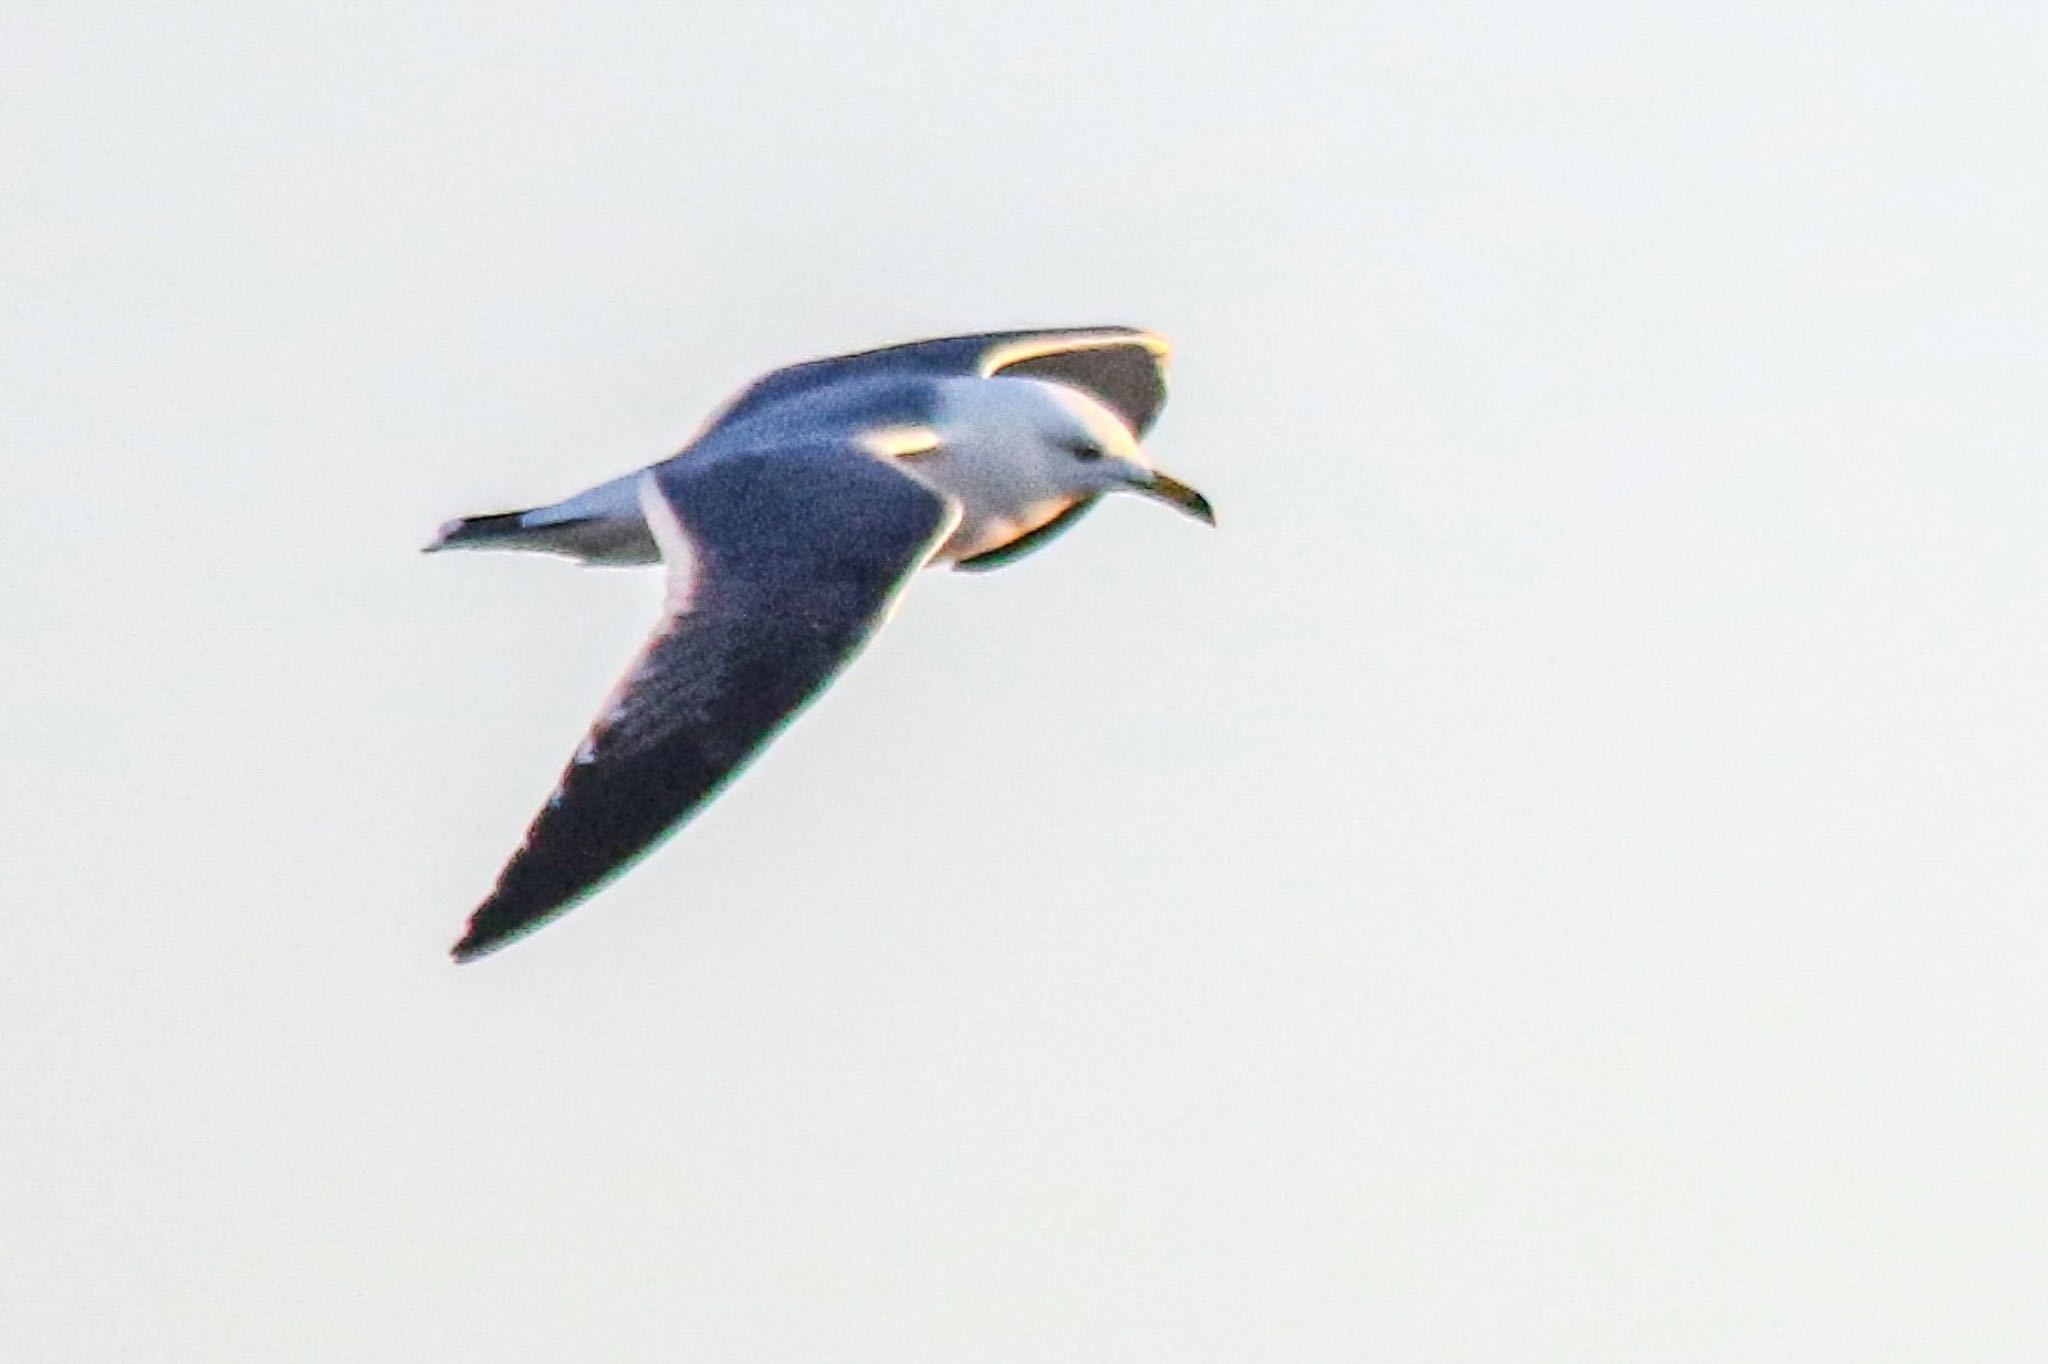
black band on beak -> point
(1171, 490)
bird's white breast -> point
(988, 452)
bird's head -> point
(1087, 448)
(1060, 438)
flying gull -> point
(788, 526)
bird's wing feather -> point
(782, 564)
(1124, 367)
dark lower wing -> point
(793, 557)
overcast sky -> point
(1559, 875)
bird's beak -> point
(1171, 490)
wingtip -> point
(476, 943)
(488, 932)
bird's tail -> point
(498, 530)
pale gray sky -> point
(1558, 876)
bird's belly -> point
(983, 528)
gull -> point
(787, 528)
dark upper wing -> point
(1122, 366)
(782, 565)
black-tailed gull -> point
(788, 526)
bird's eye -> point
(1085, 450)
